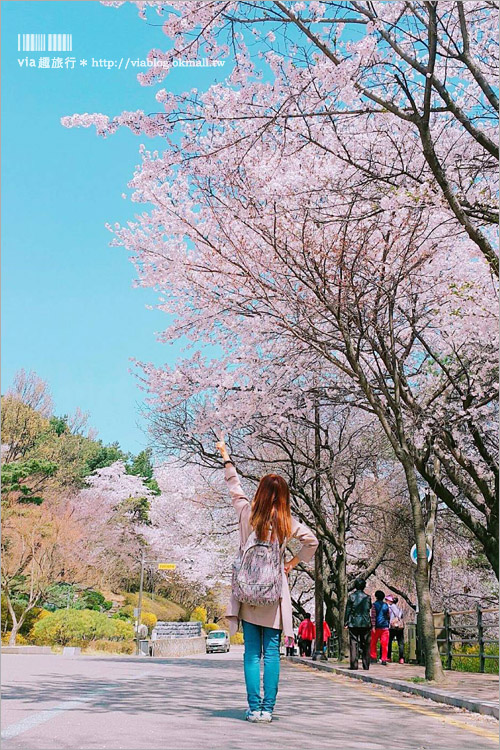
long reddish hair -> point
(271, 505)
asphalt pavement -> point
(121, 702)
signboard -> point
(167, 566)
(413, 553)
(136, 611)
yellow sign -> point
(167, 566)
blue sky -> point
(69, 310)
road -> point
(114, 702)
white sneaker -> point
(265, 716)
(252, 715)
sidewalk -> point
(471, 691)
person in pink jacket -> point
(269, 516)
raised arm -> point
(240, 501)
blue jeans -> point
(259, 641)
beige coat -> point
(279, 614)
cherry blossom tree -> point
(337, 218)
(376, 343)
(114, 508)
(276, 432)
(393, 75)
(185, 523)
(191, 525)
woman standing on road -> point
(269, 517)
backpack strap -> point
(282, 546)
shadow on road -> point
(152, 685)
(200, 701)
(204, 687)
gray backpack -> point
(257, 571)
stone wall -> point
(176, 630)
(179, 646)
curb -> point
(487, 708)
(26, 650)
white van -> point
(218, 640)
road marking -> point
(411, 706)
(429, 712)
(41, 717)
(14, 730)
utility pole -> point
(318, 652)
(139, 604)
(161, 566)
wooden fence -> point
(467, 627)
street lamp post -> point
(139, 605)
(161, 566)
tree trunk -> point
(319, 597)
(341, 580)
(492, 553)
(433, 666)
(341, 605)
(16, 624)
(13, 633)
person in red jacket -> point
(307, 634)
(326, 635)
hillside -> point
(164, 609)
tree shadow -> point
(309, 709)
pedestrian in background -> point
(326, 635)
(396, 627)
(289, 645)
(307, 634)
(357, 619)
(380, 618)
(267, 518)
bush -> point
(121, 615)
(30, 619)
(121, 631)
(62, 595)
(237, 639)
(111, 647)
(77, 627)
(20, 640)
(199, 614)
(209, 626)
(468, 664)
(149, 619)
(91, 599)
(126, 612)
